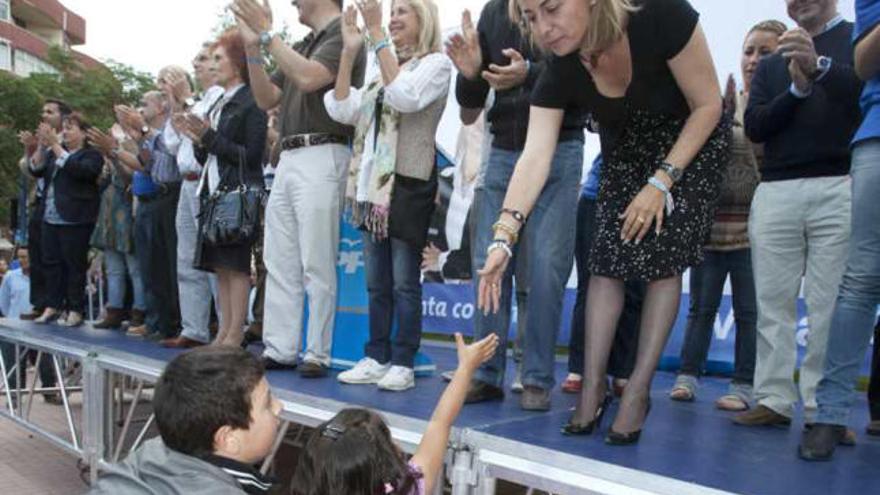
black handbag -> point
(232, 215)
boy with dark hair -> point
(216, 417)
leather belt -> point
(302, 140)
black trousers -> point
(66, 251)
(35, 246)
(155, 236)
(874, 386)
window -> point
(5, 55)
(4, 10)
(26, 64)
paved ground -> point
(30, 465)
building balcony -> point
(48, 17)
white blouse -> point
(418, 84)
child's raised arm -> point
(432, 449)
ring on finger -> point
(640, 219)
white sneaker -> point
(367, 370)
(398, 379)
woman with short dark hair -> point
(72, 201)
(232, 140)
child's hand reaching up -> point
(470, 357)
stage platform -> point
(687, 448)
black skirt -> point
(645, 142)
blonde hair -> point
(769, 26)
(607, 23)
(429, 26)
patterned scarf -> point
(371, 182)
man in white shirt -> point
(195, 287)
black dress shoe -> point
(819, 441)
(311, 369)
(631, 438)
(483, 392)
(271, 364)
(572, 428)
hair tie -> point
(333, 431)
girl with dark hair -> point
(354, 453)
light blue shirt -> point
(15, 294)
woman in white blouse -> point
(392, 180)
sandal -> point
(685, 388)
(736, 399)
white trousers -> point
(300, 251)
(196, 287)
(797, 229)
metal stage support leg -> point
(94, 413)
(27, 415)
(66, 401)
(128, 418)
(463, 477)
(143, 433)
(6, 389)
(282, 431)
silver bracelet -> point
(499, 245)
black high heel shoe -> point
(572, 428)
(615, 438)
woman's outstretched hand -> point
(489, 294)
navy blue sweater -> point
(806, 137)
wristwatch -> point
(672, 171)
(823, 65)
(145, 130)
(266, 39)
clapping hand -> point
(130, 118)
(371, 11)
(47, 135)
(464, 49)
(256, 16)
(796, 46)
(504, 77)
(352, 38)
(103, 142)
(191, 125)
(29, 141)
(178, 85)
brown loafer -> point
(762, 416)
(311, 369)
(180, 342)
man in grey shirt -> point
(302, 216)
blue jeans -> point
(856, 308)
(623, 352)
(394, 287)
(549, 263)
(119, 264)
(707, 284)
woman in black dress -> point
(643, 69)
(233, 136)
